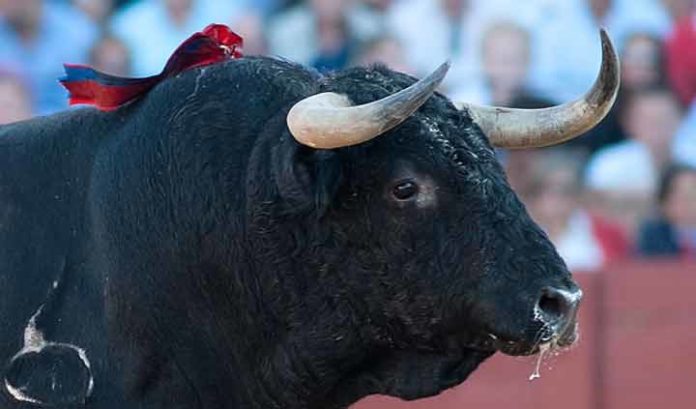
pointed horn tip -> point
(439, 74)
(607, 45)
(610, 70)
(505, 132)
(445, 66)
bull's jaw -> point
(407, 375)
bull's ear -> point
(307, 179)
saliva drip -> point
(543, 348)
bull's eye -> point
(405, 190)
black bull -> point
(186, 252)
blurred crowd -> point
(626, 188)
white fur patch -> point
(427, 196)
(35, 342)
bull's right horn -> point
(329, 120)
(530, 128)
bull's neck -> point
(312, 368)
(315, 344)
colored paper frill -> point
(85, 85)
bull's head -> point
(427, 254)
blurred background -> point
(619, 202)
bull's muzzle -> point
(557, 309)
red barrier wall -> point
(649, 354)
(637, 350)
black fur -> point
(204, 259)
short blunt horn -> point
(330, 120)
(529, 128)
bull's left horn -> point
(529, 128)
(329, 120)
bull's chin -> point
(410, 375)
(422, 375)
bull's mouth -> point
(427, 374)
(542, 337)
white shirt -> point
(626, 166)
(578, 245)
(684, 147)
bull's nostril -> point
(551, 307)
(558, 306)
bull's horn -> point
(528, 128)
(329, 120)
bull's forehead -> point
(366, 84)
(462, 142)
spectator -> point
(505, 68)
(386, 51)
(15, 102)
(450, 33)
(584, 241)
(123, 3)
(681, 58)
(624, 176)
(38, 37)
(569, 51)
(520, 163)
(334, 38)
(250, 26)
(519, 167)
(370, 19)
(152, 29)
(98, 11)
(264, 8)
(323, 33)
(642, 62)
(651, 119)
(673, 231)
(110, 55)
